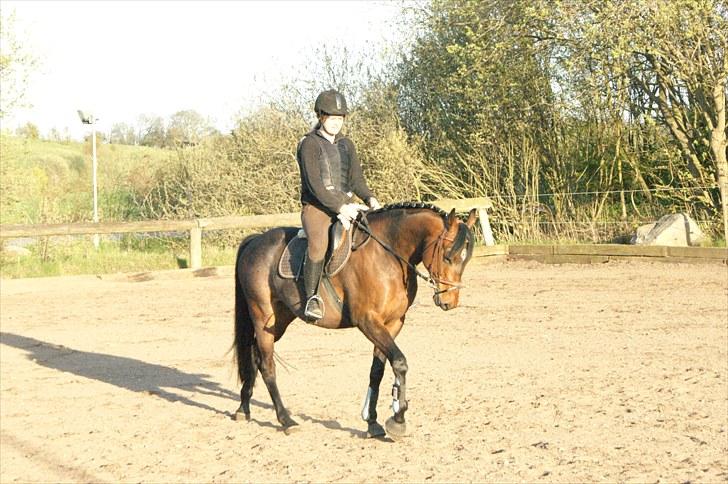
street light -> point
(87, 118)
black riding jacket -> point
(329, 171)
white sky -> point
(121, 59)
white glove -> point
(346, 222)
(374, 204)
(351, 210)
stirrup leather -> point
(314, 308)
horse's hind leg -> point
(246, 392)
(265, 338)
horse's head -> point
(447, 256)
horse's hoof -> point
(395, 430)
(289, 425)
(241, 416)
(375, 430)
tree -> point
(682, 66)
(54, 135)
(188, 128)
(521, 98)
(477, 91)
(659, 64)
(16, 65)
(151, 131)
(672, 55)
(123, 134)
(29, 131)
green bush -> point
(254, 170)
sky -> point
(121, 59)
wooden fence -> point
(195, 227)
(599, 253)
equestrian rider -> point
(330, 176)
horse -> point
(374, 290)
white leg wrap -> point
(365, 406)
(395, 396)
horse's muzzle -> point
(445, 306)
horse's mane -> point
(412, 205)
(464, 233)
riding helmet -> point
(331, 102)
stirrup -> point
(314, 309)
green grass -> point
(46, 182)
(80, 257)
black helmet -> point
(331, 102)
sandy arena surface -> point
(565, 373)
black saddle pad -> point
(290, 265)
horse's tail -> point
(244, 330)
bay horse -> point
(375, 289)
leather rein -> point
(433, 279)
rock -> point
(16, 251)
(641, 236)
(676, 230)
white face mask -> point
(332, 124)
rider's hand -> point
(351, 210)
(346, 222)
(374, 203)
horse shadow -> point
(329, 424)
(140, 376)
(128, 373)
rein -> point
(433, 280)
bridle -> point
(435, 265)
(433, 279)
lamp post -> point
(87, 118)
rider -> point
(330, 176)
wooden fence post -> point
(195, 248)
(485, 226)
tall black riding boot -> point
(311, 277)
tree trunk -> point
(718, 147)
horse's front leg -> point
(369, 410)
(376, 373)
(395, 424)
(383, 338)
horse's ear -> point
(472, 217)
(452, 219)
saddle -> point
(340, 247)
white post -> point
(195, 248)
(96, 198)
(485, 226)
